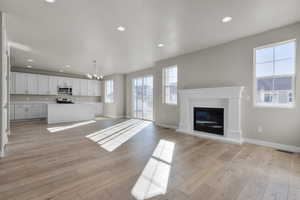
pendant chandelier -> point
(96, 75)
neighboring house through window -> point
(274, 67)
(109, 91)
(170, 85)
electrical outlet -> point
(259, 129)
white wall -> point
(231, 64)
(117, 108)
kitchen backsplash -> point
(16, 97)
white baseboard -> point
(166, 125)
(114, 117)
(273, 145)
(212, 137)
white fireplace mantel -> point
(228, 98)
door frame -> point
(132, 99)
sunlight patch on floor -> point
(113, 137)
(154, 179)
(99, 135)
(62, 128)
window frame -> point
(270, 105)
(164, 86)
(106, 91)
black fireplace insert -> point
(210, 120)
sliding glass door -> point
(142, 97)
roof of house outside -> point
(279, 83)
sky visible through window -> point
(275, 73)
(278, 60)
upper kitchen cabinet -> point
(32, 84)
(97, 88)
(53, 85)
(91, 88)
(84, 87)
(64, 82)
(20, 83)
(43, 85)
(76, 89)
(26, 83)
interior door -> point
(142, 97)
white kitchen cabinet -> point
(53, 85)
(97, 88)
(32, 84)
(83, 87)
(20, 83)
(76, 90)
(12, 82)
(29, 111)
(43, 85)
(26, 83)
(12, 111)
(64, 82)
(21, 111)
(91, 88)
(44, 111)
(69, 82)
(35, 111)
(60, 82)
(98, 109)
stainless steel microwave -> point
(64, 91)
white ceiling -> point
(75, 32)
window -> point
(109, 91)
(170, 85)
(275, 74)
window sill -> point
(171, 104)
(290, 106)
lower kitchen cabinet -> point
(12, 111)
(29, 111)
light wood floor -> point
(65, 165)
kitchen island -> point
(58, 113)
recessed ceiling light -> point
(121, 28)
(226, 19)
(30, 60)
(160, 45)
(50, 1)
(68, 66)
(29, 66)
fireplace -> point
(210, 120)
